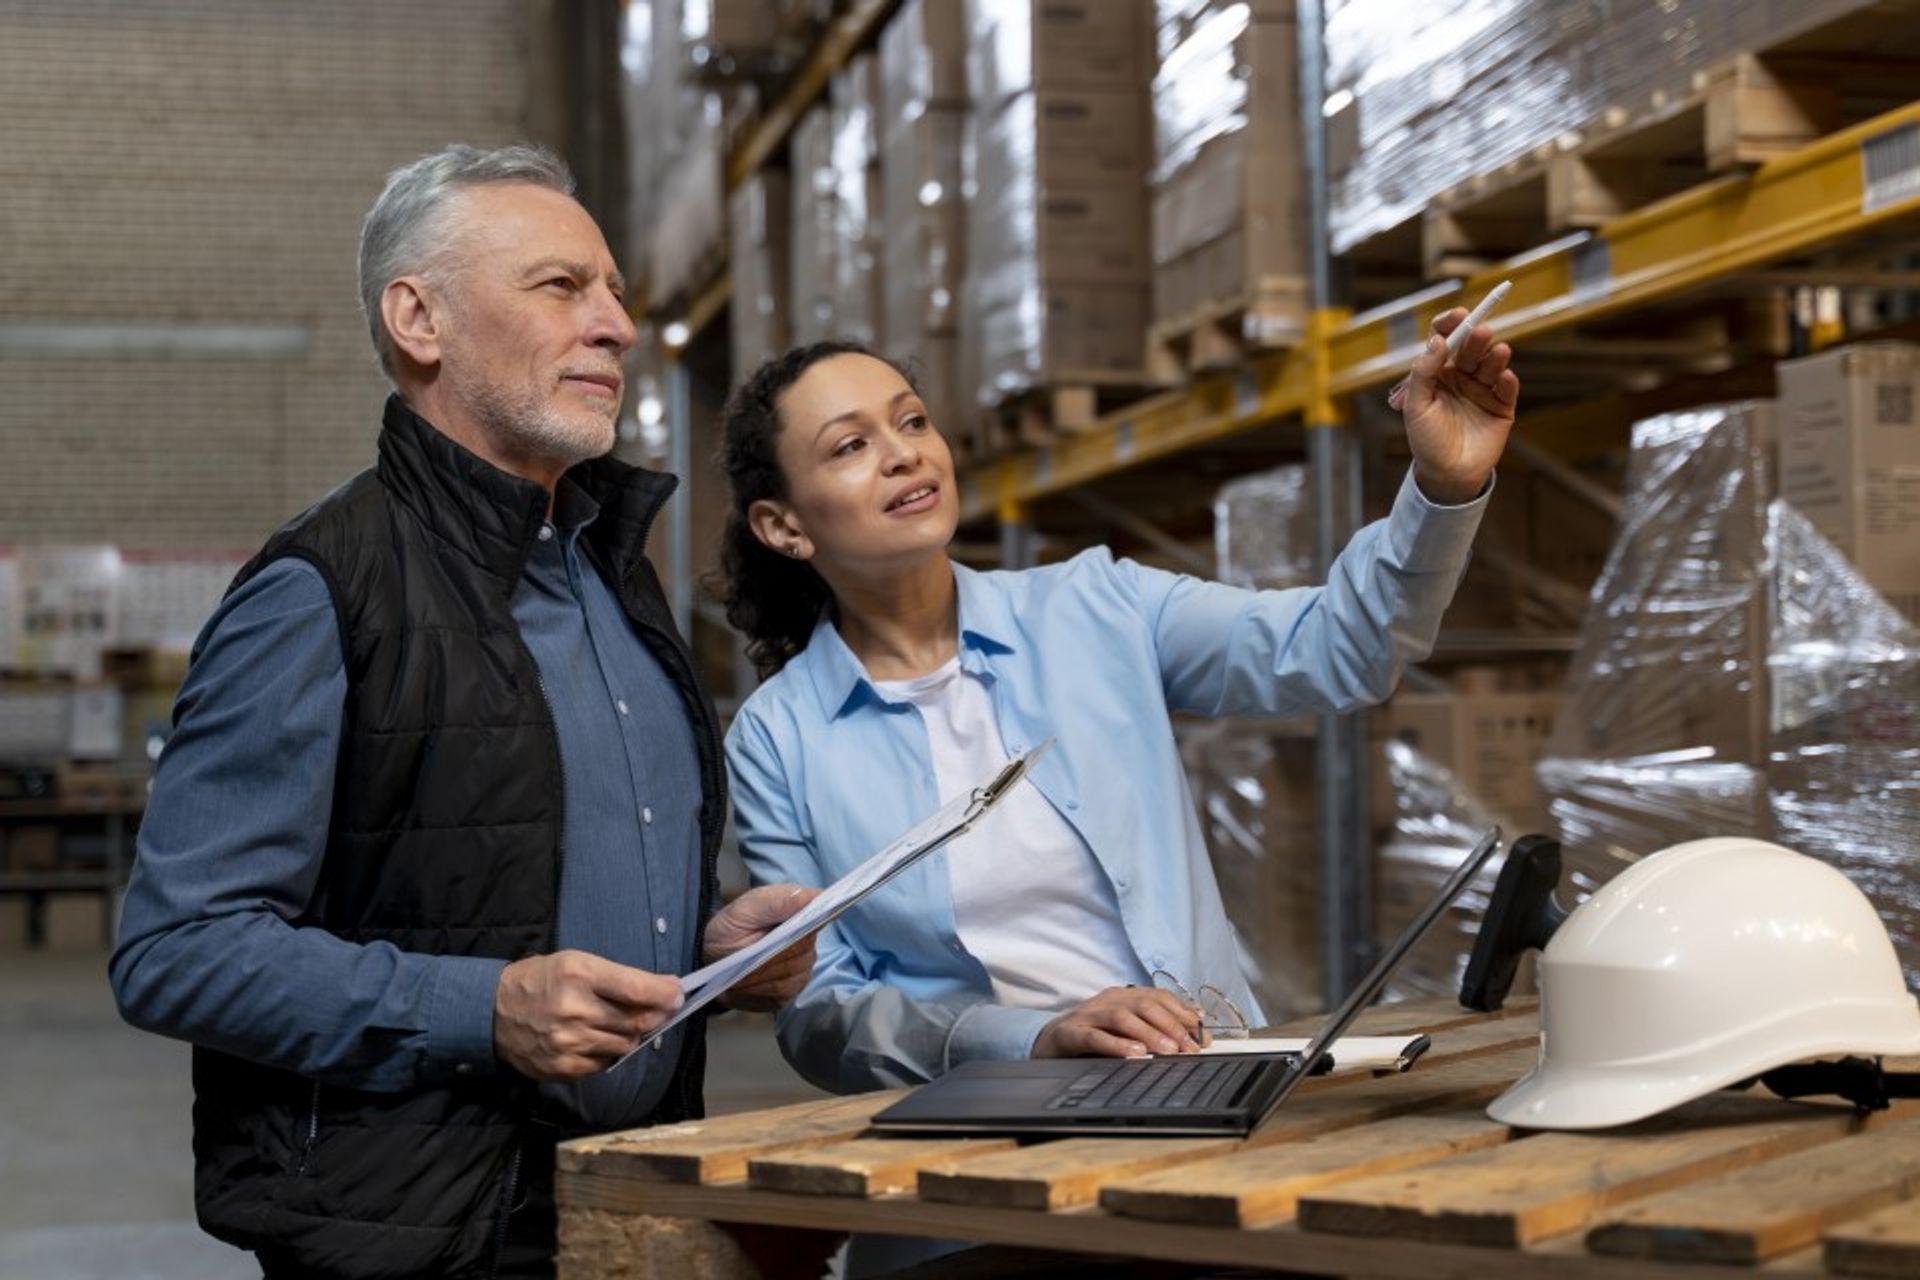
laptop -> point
(1186, 1094)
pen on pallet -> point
(1457, 338)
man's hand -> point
(570, 1014)
(1123, 1022)
(746, 920)
(1458, 414)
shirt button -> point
(659, 1043)
(659, 924)
(464, 1069)
(621, 703)
(1073, 804)
(646, 815)
(546, 533)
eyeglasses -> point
(1219, 1015)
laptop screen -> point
(1363, 995)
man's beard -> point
(524, 424)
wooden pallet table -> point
(1359, 1175)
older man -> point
(444, 794)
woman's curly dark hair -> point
(772, 600)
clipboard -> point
(950, 821)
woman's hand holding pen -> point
(1123, 1022)
(1458, 412)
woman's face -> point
(869, 480)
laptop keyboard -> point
(1165, 1084)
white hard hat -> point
(1701, 966)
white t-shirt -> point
(1030, 900)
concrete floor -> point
(96, 1170)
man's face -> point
(535, 325)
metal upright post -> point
(1346, 880)
(680, 511)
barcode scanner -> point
(1522, 914)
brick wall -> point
(182, 359)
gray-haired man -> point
(444, 794)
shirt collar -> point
(841, 683)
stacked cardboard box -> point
(923, 93)
(760, 225)
(1056, 172)
(1437, 91)
(1489, 742)
(1850, 459)
(1228, 206)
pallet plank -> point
(865, 1166)
(717, 1149)
(1884, 1244)
(1070, 1172)
(1258, 1186)
(1773, 1208)
(1558, 1182)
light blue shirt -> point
(1095, 653)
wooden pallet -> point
(1066, 406)
(1381, 1176)
(1225, 334)
(1743, 112)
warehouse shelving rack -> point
(1848, 186)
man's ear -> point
(777, 528)
(413, 313)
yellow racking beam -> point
(1843, 185)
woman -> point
(896, 679)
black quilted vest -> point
(445, 839)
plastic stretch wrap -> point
(856, 284)
(1228, 214)
(1263, 529)
(1054, 170)
(1737, 675)
(1844, 763)
(760, 224)
(922, 131)
(677, 214)
(1662, 735)
(1436, 823)
(1201, 87)
(1436, 91)
(814, 246)
(1252, 783)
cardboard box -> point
(1490, 742)
(1066, 333)
(1017, 45)
(1849, 450)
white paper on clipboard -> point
(952, 819)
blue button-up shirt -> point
(231, 846)
(1095, 653)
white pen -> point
(1457, 338)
